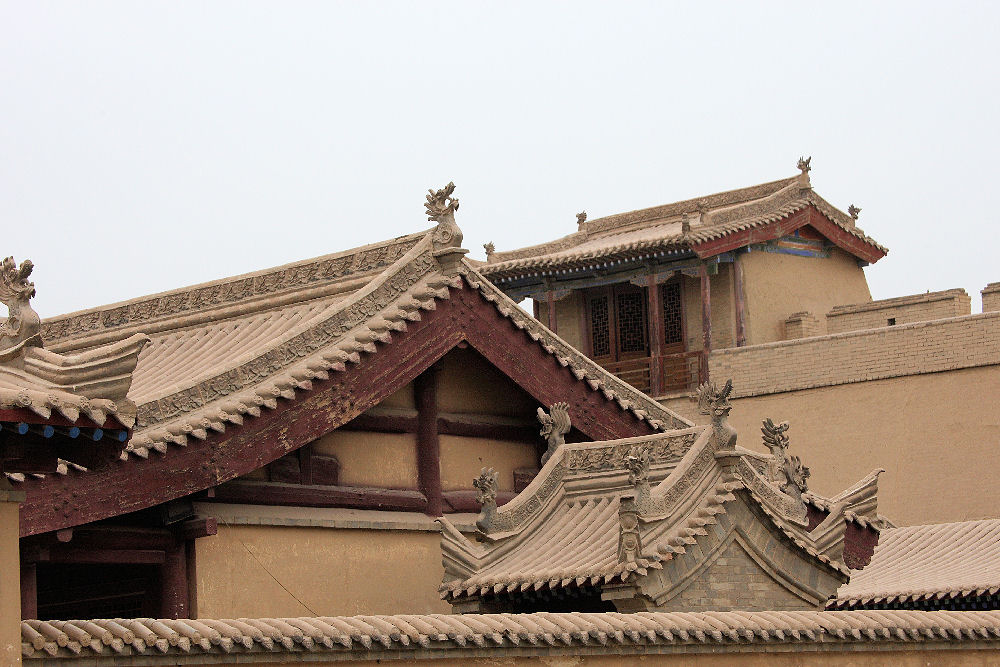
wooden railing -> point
(663, 374)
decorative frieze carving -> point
(486, 495)
(714, 402)
(629, 539)
(555, 426)
(665, 449)
(22, 327)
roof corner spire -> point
(804, 168)
(447, 237)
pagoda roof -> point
(563, 530)
(718, 223)
(928, 562)
(237, 349)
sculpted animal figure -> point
(714, 402)
(23, 325)
(441, 207)
(555, 426)
(486, 494)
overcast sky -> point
(147, 146)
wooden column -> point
(655, 308)
(550, 298)
(706, 321)
(29, 590)
(741, 334)
(428, 442)
(174, 582)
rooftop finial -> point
(23, 325)
(490, 249)
(803, 164)
(853, 211)
(555, 426)
(581, 218)
(714, 402)
(447, 238)
(486, 493)
(786, 471)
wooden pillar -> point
(550, 299)
(29, 590)
(741, 334)
(655, 308)
(428, 442)
(174, 582)
(706, 321)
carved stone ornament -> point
(786, 472)
(853, 211)
(22, 327)
(637, 463)
(581, 218)
(714, 402)
(490, 249)
(629, 539)
(803, 164)
(447, 237)
(555, 426)
(486, 494)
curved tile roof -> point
(937, 560)
(660, 229)
(356, 637)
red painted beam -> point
(61, 501)
(356, 497)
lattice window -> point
(600, 334)
(631, 322)
(672, 331)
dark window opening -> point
(892, 321)
(72, 590)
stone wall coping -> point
(750, 349)
(897, 301)
(991, 288)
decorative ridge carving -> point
(490, 250)
(447, 236)
(787, 472)
(486, 495)
(714, 402)
(803, 164)
(581, 220)
(555, 425)
(637, 463)
(629, 539)
(23, 326)
(853, 211)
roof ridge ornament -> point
(786, 472)
(637, 463)
(854, 212)
(555, 425)
(22, 328)
(487, 486)
(581, 219)
(447, 236)
(804, 168)
(490, 249)
(714, 402)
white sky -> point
(147, 146)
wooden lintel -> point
(107, 537)
(357, 497)
(473, 426)
(464, 500)
(97, 555)
(196, 528)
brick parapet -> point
(991, 298)
(859, 356)
(900, 310)
(801, 325)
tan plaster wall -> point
(468, 383)
(934, 434)
(268, 571)
(403, 398)
(386, 460)
(462, 459)
(568, 319)
(10, 584)
(775, 655)
(777, 285)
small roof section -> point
(704, 226)
(928, 562)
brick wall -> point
(801, 325)
(858, 356)
(991, 297)
(900, 310)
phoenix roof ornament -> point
(853, 211)
(447, 237)
(23, 326)
(714, 402)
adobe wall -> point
(915, 399)
(899, 310)
(777, 285)
(287, 571)
(773, 655)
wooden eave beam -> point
(61, 501)
(807, 216)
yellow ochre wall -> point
(778, 656)
(463, 458)
(268, 571)
(385, 460)
(10, 583)
(467, 383)
(776, 285)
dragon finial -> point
(853, 211)
(490, 249)
(803, 164)
(637, 463)
(581, 218)
(555, 426)
(786, 472)
(714, 402)
(796, 475)
(486, 494)
(23, 325)
(447, 237)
